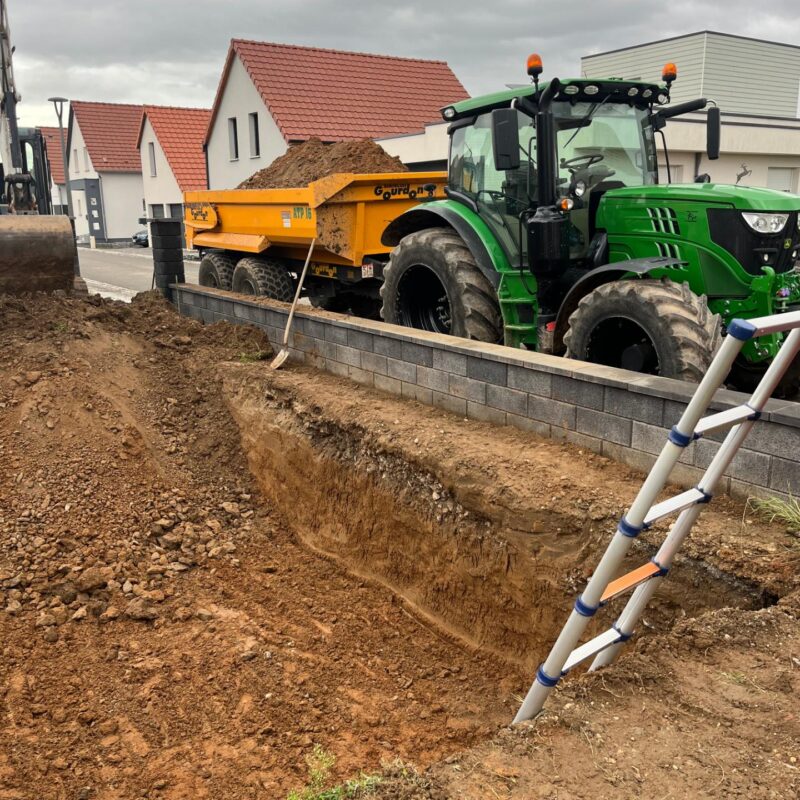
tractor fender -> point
(432, 216)
(597, 277)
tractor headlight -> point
(579, 190)
(765, 223)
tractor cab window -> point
(600, 146)
(501, 196)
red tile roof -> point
(110, 131)
(337, 95)
(54, 154)
(180, 132)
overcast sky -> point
(172, 51)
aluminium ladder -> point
(602, 587)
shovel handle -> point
(297, 294)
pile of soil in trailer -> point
(312, 160)
(221, 581)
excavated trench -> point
(498, 576)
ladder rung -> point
(787, 321)
(591, 648)
(730, 417)
(633, 578)
(674, 504)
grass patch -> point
(320, 763)
(250, 358)
(775, 509)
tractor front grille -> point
(754, 250)
(664, 220)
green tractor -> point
(557, 236)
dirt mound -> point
(313, 160)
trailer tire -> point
(262, 278)
(216, 271)
(655, 327)
(433, 283)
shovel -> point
(280, 359)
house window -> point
(233, 139)
(151, 151)
(255, 142)
(176, 210)
(76, 167)
(80, 205)
(86, 159)
(784, 179)
(157, 211)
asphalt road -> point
(122, 273)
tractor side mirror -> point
(505, 139)
(713, 127)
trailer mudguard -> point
(489, 255)
(597, 277)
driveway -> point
(121, 273)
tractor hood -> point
(744, 198)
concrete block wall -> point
(620, 414)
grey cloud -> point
(172, 51)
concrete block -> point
(433, 379)
(581, 440)
(401, 370)
(528, 424)
(315, 328)
(209, 317)
(744, 491)
(337, 368)
(775, 439)
(449, 362)
(604, 426)
(211, 303)
(328, 349)
(486, 413)
(482, 369)
(651, 439)
(633, 405)
(386, 384)
(528, 379)
(360, 340)
(334, 333)
(637, 459)
(374, 363)
(388, 346)
(275, 318)
(455, 405)
(297, 356)
(417, 354)
(226, 307)
(415, 392)
(305, 343)
(317, 361)
(506, 399)
(785, 475)
(468, 389)
(579, 392)
(557, 414)
(348, 355)
(747, 465)
(361, 376)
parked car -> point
(141, 238)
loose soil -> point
(207, 568)
(312, 160)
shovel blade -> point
(280, 359)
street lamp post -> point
(58, 103)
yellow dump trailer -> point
(254, 241)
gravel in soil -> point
(303, 163)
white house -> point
(422, 150)
(105, 170)
(170, 146)
(272, 95)
(755, 83)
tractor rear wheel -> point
(262, 278)
(654, 327)
(433, 283)
(216, 271)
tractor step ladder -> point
(602, 586)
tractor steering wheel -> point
(575, 164)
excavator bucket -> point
(37, 253)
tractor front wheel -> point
(433, 283)
(654, 327)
